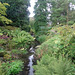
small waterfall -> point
(30, 65)
(28, 69)
(31, 61)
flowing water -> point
(31, 70)
(28, 67)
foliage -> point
(61, 11)
(54, 53)
(13, 68)
(70, 49)
(7, 57)
(32, 29)
(70, 22)
(2, 52)
(1, 70)
(21, 51)
(41, 20)
(3, 9)
(2, 41)
(62, 42)
(22, 39)
(18, 13)
(42, 38)
(50, 65)
(15, 38)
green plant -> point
(21, 51)
(7, 57)
(22, 39)
(50, 65)
(13, 68)
(42, 38)
(3, 9)
(2, 71)
(2, 41)
(70, 22)
(62, 42)
(2, 52)
(16, 38)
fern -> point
(53, 66)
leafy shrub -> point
(54, 46)
(61, 30)
(2, 72)
(59, 42)
(2, 41)
(7, 57)
(1, 32)
(2, 52)
(70, 49)
(70, 22)
(22, 39)
(42, 38)
(22, 51)
(9, 28)
(3, 9)
(3, 37)
(50, 65)
(53, 53)
(16, 38)
(13, 68)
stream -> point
(31, 70)
(28, 67)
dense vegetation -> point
(18, 13)
(53, 27)
(14, 42)
(56, 53)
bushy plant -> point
(21, 51)
(1, 32)
(42, 38)
(53, 46)
(15, 38)
(70, 22)
(3, 9)
(2, 41)
(22, 39)
(70, 49)
(13, 68)
(1, 71)
(53, 53)
(50, 65)
(59, 42)
(2, 52)
(7, 57)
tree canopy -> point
(18, 13)
(3, 14)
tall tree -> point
(18, 12)
(60, 11)
(41, 17)
(3, 14)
